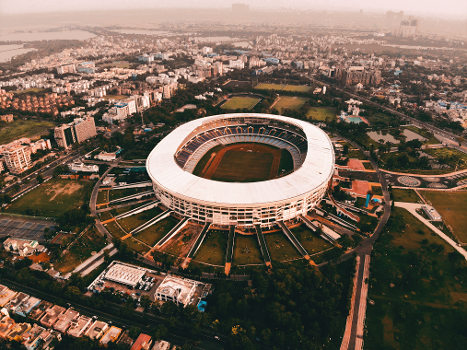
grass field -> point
(297, 88)
(280, 247)
(289, 102)
(356, 154)
(115, 230)
(18, 92)
(237, 166)
(205, 159)
(91, 241)
(212, 251)
(415, 288)
(102, 197)
(321, 114)
(241, 102)
(449, 153)
(267, 86)
(246, 250)
(53, 197)
(116, 194)
(139, 247)
(453, 208)
(401, 195)
(154, 233)
(134, 221)
(115, 97)
(309, 240)
(23, 128)
(286, 163)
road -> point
(147, 320)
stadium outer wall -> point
(228, 212)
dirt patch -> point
(68, 189)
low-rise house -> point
(39, 310)
(143, 342)
(111, 335)
(6, 323)
(79, 326)
(32, 338)
(51, 315)
(17, 331)
(97, 330)
(19, 246)
(25, 308)
(161, 345)
(65, 319)
(6, 295)
(16, 302)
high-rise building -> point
(77, 131)
(17, 158)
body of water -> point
(409, 134)
(7, 52)
(65, 35)
(212, 39)
(141, 31)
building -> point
(106, 156)
(32, 339)
(79, 326)
(178, 290)
(77, 131)
(236, 64)
(6, 295)
(67, 68)
(408, 29)
(432, 213)
(17, 158)
(20, 246)
(6, 324)
(110, 336)
(78, 166)
(17, 331)
(51, 315)
(161, 345)
(7, 118)
(39, 310)
(25, 308)
(97, 330)
(16, 302)
(143, 342)
(125, 274)
(65, 319)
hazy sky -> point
(455, 8)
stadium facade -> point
(243, 204)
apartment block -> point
(17, 159)
(77, 131)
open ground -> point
(289, 102)
(453, 208)
(281, 87)
(321, 114)
(22, 128)
(241, 102)
(53, 197)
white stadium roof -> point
(316, 169)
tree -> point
(134, 332)
(145, 301)
(159, 332)
(39, 178)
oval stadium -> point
(244, 169)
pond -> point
(409, 134)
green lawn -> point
(280, 247)
(102, 197)
(105, 215)
(115, 194)
(115, 230)
(377, 190)
(241, 102)
(205, 159)
(267, 86)
(91, 241)
(309, 240)
(153, 234)
(453, 208)
(286, 162)
(356, 154)
(297, 88)
(131, 222)
(246, 250)
(368, 165)
(450, 155)
(53, 198)
(321, 114)
(415, 287)
(401, 195)
(23, 128)
(289, 102)
(212, 251)
(133, 244)
(115, 97)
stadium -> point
(245, 169)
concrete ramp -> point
(263, 246)
(133, 196)
(133, 185)
(172, 233)
(230, 249)
(297, 245)
(138, 210)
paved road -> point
(93, 202)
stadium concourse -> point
(230, 200)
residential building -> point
(31, 339)
(79, 326)
(6, 324)
(64, 135)
(177, 289)
(20, 246)
(432, 213)
(143, 342)
(65, 319)
(106, 156)
(39, 310)
(77, 131)
(236, 64)
(16, 302)
(111, 335)
(51, 315)
(17, 331)
(78, 166)
(161, 345)
(67, 68)
(6, 295)
(6, 118)
(17, 158)
(97, 330)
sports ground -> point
(241, 162)
(241, 102)
(281, 87)
(289, 102)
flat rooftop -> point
(125, 274)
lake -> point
(141, 31)
(8, 51)
(37, 36)
(410, 135)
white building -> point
(177, 289)
(237, 64)
(78, 166)
(432, 213)
(21, 247)
(107, 157)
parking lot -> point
(26, 228)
